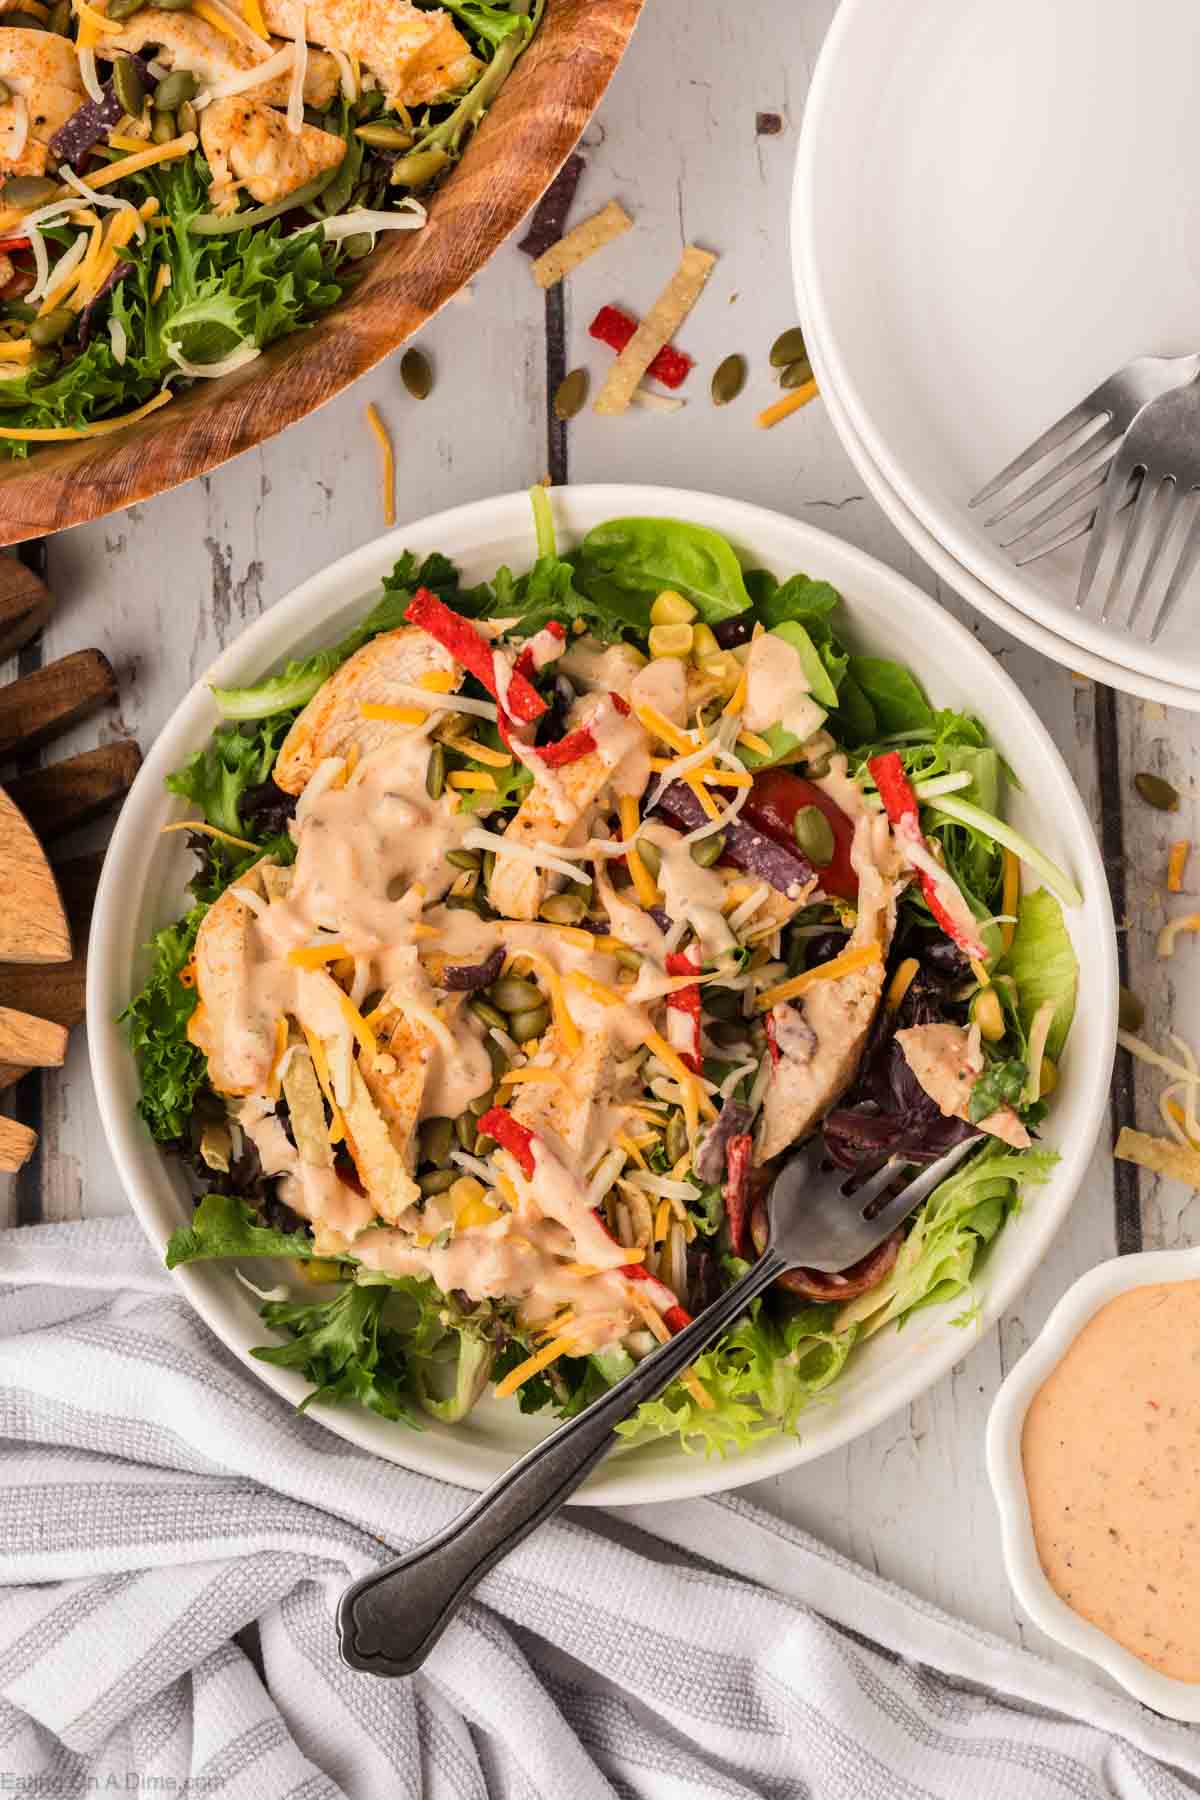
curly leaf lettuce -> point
(223, 1226)
(171, 1070)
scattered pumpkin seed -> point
(384, 137)
(26, 21)
(464, 859)
(708, 850)
(5, 92)
(481, 1103)
(435, 773)
(1131, 1014)
(513, 994)
(436, 1140)
(497, 1056)
(627, 958)
(1157, 793)
(173, 90)
(124, 9)
(175, 5)
(677, 1137)
(416, 374)
(525, 1026)
(60, 18)
(651, 857)
(187, 118)
(814, 834)
(52, 327)
(723, 1003)
(563, 909)
(489, 864)
(729, 378)
(129, 87)
(465, 1131)
(28, 190)
(358, 245)
(797, 373)
(788, 347)
(489, 1014)
(484, 1145)
(162, 127)
(571, 394)
(437, 1181)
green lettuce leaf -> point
(235, 758)
(948, 1234)
(999, 1085)
(171, 1071)
(224, 1226)
(1042, 962)
(894, 697)
(345, 1348)
(624, 564)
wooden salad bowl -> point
(512, 158)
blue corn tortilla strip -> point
(549, 218)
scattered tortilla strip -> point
(1177, 863)
(307, 1108)
(609, 223)
(656, 329)
(1162, 1156)
(1166, 938)
(549, 219)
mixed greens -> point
(115, 292)
(689, 1208)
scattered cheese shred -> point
(16, 349)
(214, 831)
(595, 990)
(253, 15)
(470, 781)
(1162, 1156)
(212, 17)
(639, 874)
(612, 221)
(901, 981)
(847, 963)
(495, 759)
(96, 20)
(315, 956)
(358, 1025)
(46, 434)
(661, 727)
(703, 796)
(694, 1097)
(145, 159)
(736, 702)
(1010, 898)
(533, 1365)
(276, 1075)
(626, 1143)
(388, 471)
(1170, 931)
(783, 409)
(655, 331)
(662, 1219)
(392, 715)
(437, 681)
(1176, 864)
(536, 1075)
(316, 1049)
(117, 140)
(750, 740)
(568, 1029)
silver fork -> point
(390, 1620)
(1159, 461)
(1087, 439)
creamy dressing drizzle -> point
(777, 689)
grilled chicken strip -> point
(249, 146)
(418, 54)
(42, 71)
(947, 1065)
(185, 41)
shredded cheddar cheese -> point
(388, 470)
(568, 1029)
(315, 956)
(1170, 931)
(1177, 863)
(736, 702)
(358, 1025)
(468, 781)
(783, 409)
(392, 715)
(639, 874)
(212, 17)
(847, 963)
(437, 681)
(544, 1077)
(15, 349)
(595, 990)
(253, 15)
(46, 434)
(1010, 896)
(901, 981)
(145, 159)
(626, 1143)
(281, 1044)
(316, 1049)
(213, 831)
(659, 726)
(495, 759)
(533, 1365)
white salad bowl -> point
(143, 884)
(1006, 1422)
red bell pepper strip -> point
(674, 1317)
(568, 749)
(511, 1135)
(615, 328)
(772, 1039)
(687, 1001)
(736, 1191)
(529, 661)
(14, 243)
(900, 804)
(460, 638)
(622, 706)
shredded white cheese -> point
(478, 839)
(295, 105)
(410, 215)
(18, 135)
(278, 64)
(209, 371)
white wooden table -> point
(687, 142)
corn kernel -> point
(670, 640)
(463, 1191)
(672, 609)
(723, 669)
(476, 1212)
(1049, 1078)
(704, 642)
(317, 1269)
(988, 1014)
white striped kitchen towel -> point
(156, 1501)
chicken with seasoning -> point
(545, 940)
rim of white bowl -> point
(1006, 1420)
(620, 1480)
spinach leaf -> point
(625, 564)
(171, 1070)
(801, 599)
(1042, 962)
(999, 1085)
(898, 703)
(224, 1226)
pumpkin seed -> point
(677, 1137)
(435, 773)
(513, 994)
(1157, 792)
(416, 374)
(464, 859)
(708, 850)
(723, 1003)
(465, 1131)
(436, 1181)
(28, 190)
(124, 9)
(129, 87)
(489, 865)
(651, 857)
(464, 903)
(788, 347)
(60, 18)
(5, 92)
(175, 5)
(797, 373)
(384, 137)
(490, 1015)
(563, 909)
(187, 118)
(52, 327)
(25, 20)
(435, 1139)
(162, 127)
(173, 90)
(729, 378)
(481, 1103)
(484, 1145)
(571, 394)
(497, 1056)
(1131, 1014)
(525, 1026)
(358, 245)
(627, 958)
(814, 834)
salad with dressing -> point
(534, 923)
(182, 182)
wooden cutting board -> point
(45, 909)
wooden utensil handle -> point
(43, 705)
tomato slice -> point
(776, 798)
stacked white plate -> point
(994, 210)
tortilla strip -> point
(1162, 1156)
(307, 1108)
(656, 329)
(609, 223)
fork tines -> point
(1087, 440)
